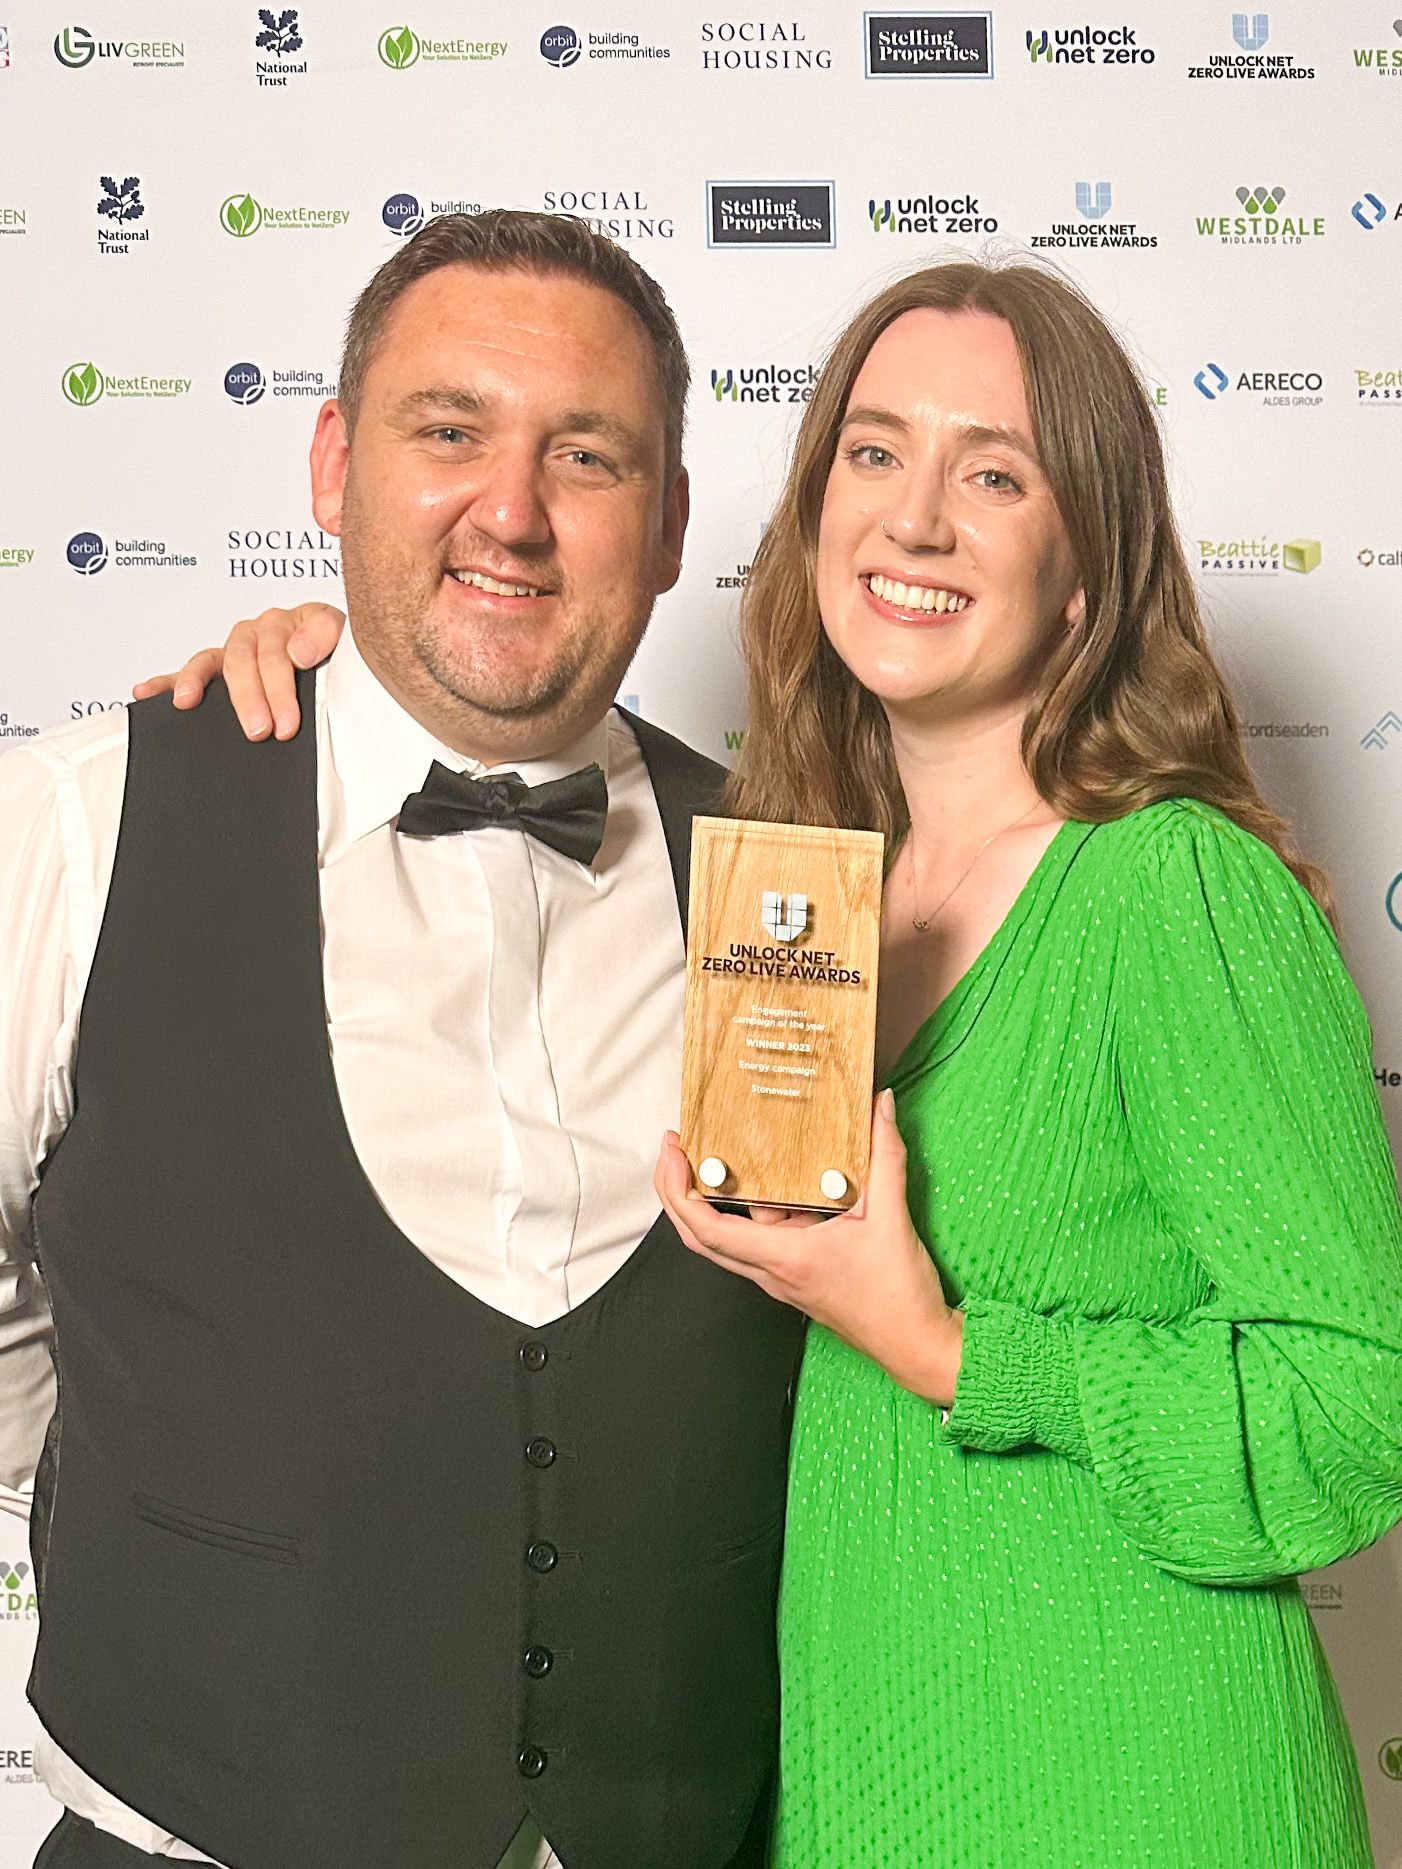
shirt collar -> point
(376, 753)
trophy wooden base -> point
(779, 1051)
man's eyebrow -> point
(457, 400)
(595, 422)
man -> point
(411, 1495)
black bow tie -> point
(568, 814)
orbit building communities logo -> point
(279, 35)
(1271, 389)
(88, 554)
(405, 214)
(1381, 60)
(764, 383)
(84, 384)
(1095, 228)
(1249, 59)
(621, 213)
(120, 209)
(771, 214)
(562, 47)
(1258, 556)
(928, 45)
(401, 47)
(1087, 45)
(294, 553)
(248, 383)
(77, 48)
(1379, 386)
(760, 45)
(1370, 212)
(244, 215)
(930, 214)
(1262, 221)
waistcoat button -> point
(542, 1555)
(540, 1452)
(534, 1356)
(530, 1761)
(538, 1662)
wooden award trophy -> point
(780, 1040)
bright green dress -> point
(1060, 1629)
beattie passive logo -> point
(784, 917)
(1258, 557)
(929, 45)
(770, 214)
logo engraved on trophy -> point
(784, 917)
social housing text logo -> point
(76, 47)
(1093, 203)
(621, 213)
(400, 47)
(929, 45)
(1261, 223)
(770, 214)
(1276, 389)
(1087, 45)
(279, 34)
(1250, 32)
(930, 214)
(760, 45)
(84, 384)
(243, 215)
(291, 552)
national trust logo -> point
(929, 45)
(280, 35)
(119, 207)
(75, 47)
(400, 47)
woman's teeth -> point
(916, 596)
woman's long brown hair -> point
(1131, 708)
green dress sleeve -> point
(1261, 1435)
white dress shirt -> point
(505, 1080)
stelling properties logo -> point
(1250, 61)
(76, 47)
(1088, 45)
(1261, 222)
(244, 215)
(771, 214)
(84, 384)
(400, 47)
(929, 45)
(1381, 61)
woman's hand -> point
(259, 664)
(864, 1275)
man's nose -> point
(508, 502)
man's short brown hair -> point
(507, 240)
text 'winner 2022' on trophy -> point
(780, 1044)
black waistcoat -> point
(339, 1567)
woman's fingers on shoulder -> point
(188, 683)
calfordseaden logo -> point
(1262, 221)
(785, 917)
(1094, 228)
(84, 384)
(75, 47)
(929, 45)
(770, 214)
(401, 47)
(243, 216)
(280, 36)
(930, 213)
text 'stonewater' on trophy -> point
(785, 929)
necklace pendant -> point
(919, 926)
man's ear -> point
(676, 511)
(330, 460)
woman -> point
(1118, 1352)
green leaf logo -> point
(399, 47)
(83, 384)
(241, 216)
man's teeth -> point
(494, 585)
(916, 596)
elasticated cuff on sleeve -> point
(1017, 1384)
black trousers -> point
(77, 1844)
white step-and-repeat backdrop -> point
(190, 196)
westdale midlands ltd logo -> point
(771, 214)
(1370, 212)
(280, 35)
(1250, 60)
(1275, 389)
(75, 47)
(119, 207)
(1258, 557)
(247, 383)
(87, 554)
(1261, 223)
(1088, 45)
(930, 214)
(929, 45)
(84, 384)
(244, 215)
(1383, 61)
(766, 383)
(400, 47)
(561, 47)
(760, 45)
(621, 213)
(1093, 203)
(18, 1603)
(404, 214)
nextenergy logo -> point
(771, 214)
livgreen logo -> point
(83, 383)
(399, 47)
(1390, 1757)
(240, 216)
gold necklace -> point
(921, 923)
